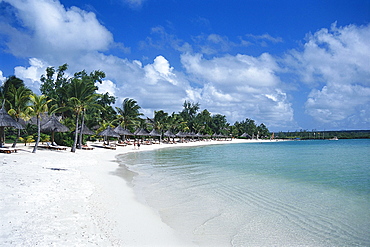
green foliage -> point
(27, 139)
(129, 115)
(39, 105)
(249, 127)
(9, 83)
(44, 137)
(64, 139)
(319, 135)
(188, 114)
(54, 83)
(76, 100)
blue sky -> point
(288, 64)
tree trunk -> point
(2, 140)
(15, 140)
(73, 149)
(38, 134)
(82, 124)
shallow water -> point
(301, 193)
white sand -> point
(59, 198)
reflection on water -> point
(312, 193)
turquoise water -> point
(298, 193)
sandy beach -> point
(59, 198)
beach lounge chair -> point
(110, 146)
(8, 150)
(122, 144)
(86, 147)
(53, 147)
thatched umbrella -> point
(85, 130)
(7, 121)
(53, 125)
(122, 131)
(141, 132)
(181, 134)
(108, 132)
(245, 135)
(206, 136)
(168, 133)
(199, 135)
(154, 133)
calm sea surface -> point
(297, 193)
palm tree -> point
(160, 120)
(81, 96)
(189, 113)
(177, 123)
(18, 99)
(39, 105)
(11, 81)
(129, 114)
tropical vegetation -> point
(76, 101)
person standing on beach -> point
(138, 145)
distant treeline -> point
(315, 134)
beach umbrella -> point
(44, 118)
(207, 136)
(154, 133)
(85, 130)
(53, 125)
(168, 133)
(245, 135)
(123, 131)
(180, 134)
(199, 135)
(192, 135)
(217, 135)
(109, 132)
(141, 132)
(7, 121)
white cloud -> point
(2, 78)
(240, 72)
(336, 63)
(156, 86)
(338, 55)
(54, 32)
(159, 70)
(107, 86)
(134, 3)
(240, 86)
(333, 63)
(265, 37)
(31, 75)
(337, 103)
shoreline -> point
(63, 198)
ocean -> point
(293, 193)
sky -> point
(290, 64)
